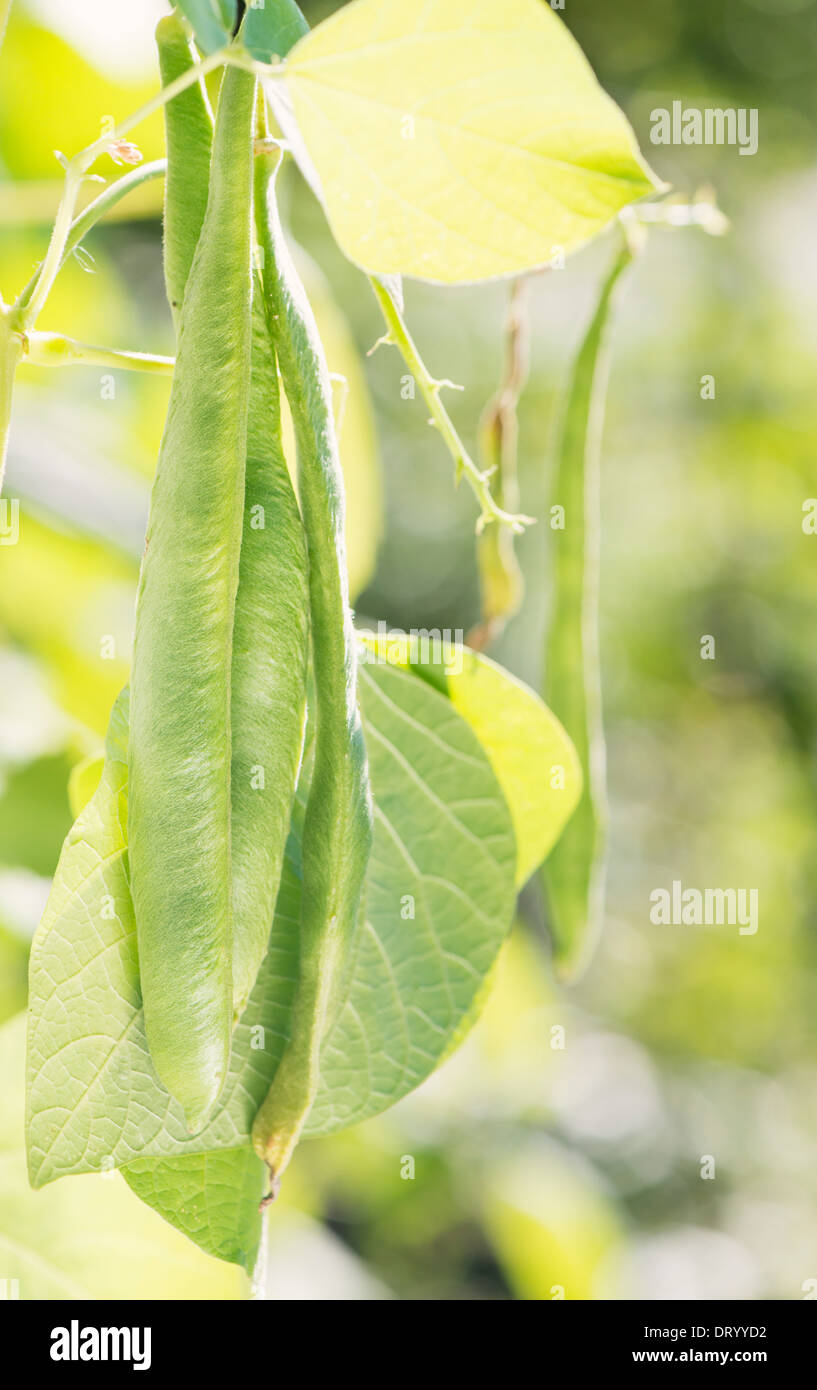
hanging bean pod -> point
(271, 632)
(189, 140)
(573, 873)
(179, 806)
(270, 651)
(337, 823)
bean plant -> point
(293, 869)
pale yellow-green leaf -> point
(459, 140)
(533, 759)
(88, 1237)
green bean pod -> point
(574, 872)
(271, 633)
(189, 140)
(338, 819)
(270, 651)
(179, 807)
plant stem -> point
(83, 223)
(78, 167)
(398, 335)
(501, 583)
(56, 350)
(27, 314)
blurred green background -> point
(536, 1168)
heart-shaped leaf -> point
(459, 140)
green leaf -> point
(439, 900)
(459, 140)
(213, 1198)
(443, 839)
(574, 873)
(88, 1238)
(212, 21)
(533, 758)
(272, 27)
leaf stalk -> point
(57, 350)
(399, 336)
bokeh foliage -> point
(535, 1167)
